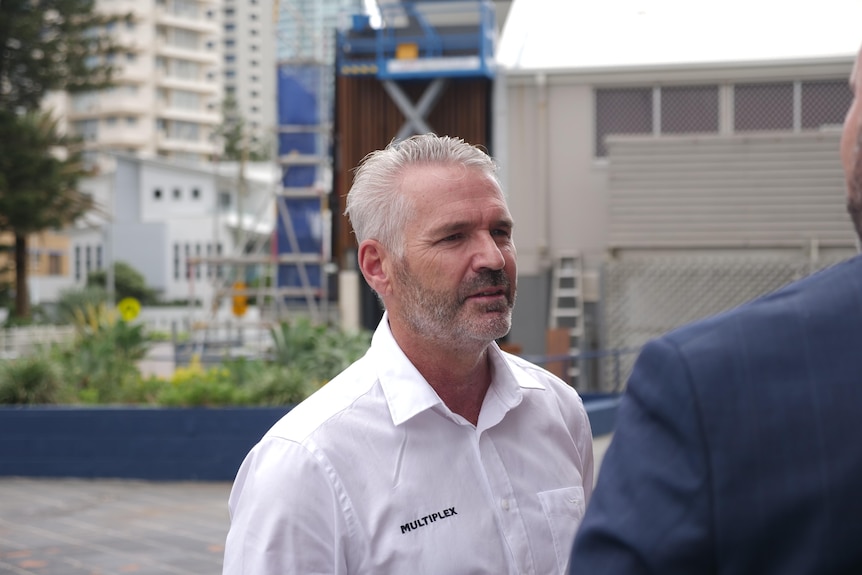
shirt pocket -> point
(564, 508)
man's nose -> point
(488, 254)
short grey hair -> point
(374, 205)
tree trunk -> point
(22, 296)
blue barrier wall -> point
(155, 444)
(140, 443)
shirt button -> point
(504, 503)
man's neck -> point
(459, 374)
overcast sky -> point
(608, 33)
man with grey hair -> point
(436, 452)
(735, 445)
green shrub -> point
(31, 380)
(100, 367)
(320, 351)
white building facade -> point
(249, 66)
(685, 181)
(168, 89)
(176, 224)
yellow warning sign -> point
(129, 308)
(240, 300)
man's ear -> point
(374, 262)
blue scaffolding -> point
(301, 237)
(437, 40)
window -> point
(77, 263)
(188, 131)
(86, 129)
(157, 194)
(184, 38)
(176, 261)
(55, 264)
(689, 109)
(85, 101)
(88, 260)
(185, 8)
(209, 265)
(825, 103)
(177, 193)
(763, 107)
(185, 69)
(198, 265)
(188, 251)
(622, 111)
(98, 257)
(185, 100)
(224, 200)
(196, 193)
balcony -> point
(172, 82)
(194, 22)
(168, 144)
(163, 48)
(195, 116)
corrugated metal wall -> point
(727, 191)
(366, 119)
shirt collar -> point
(407, 392)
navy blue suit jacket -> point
(738, 443)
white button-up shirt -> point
(373, 474)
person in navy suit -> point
(738, 444)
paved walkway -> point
(107, 527)
(115, 527)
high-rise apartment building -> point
(166, 101)
(249, 67)
(306, 36)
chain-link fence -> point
(647, 297)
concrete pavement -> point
(118, 527)
(108, 527)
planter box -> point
(155, 444)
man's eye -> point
(503, 233)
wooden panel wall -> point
(367, 119)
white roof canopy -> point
(583, 34)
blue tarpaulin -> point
(299, 89)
